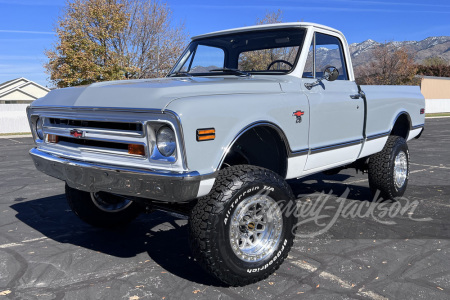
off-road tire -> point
(381, 169)
(83, 206)
(210, 221)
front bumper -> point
(89, 177)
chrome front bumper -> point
(89, 177)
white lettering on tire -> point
(271, 261)
(238, 198)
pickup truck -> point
(242, 111)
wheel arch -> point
(262, 131)
(401, 125)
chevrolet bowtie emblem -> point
(76, 133)
(298, 114)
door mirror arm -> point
(329, 74)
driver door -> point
(336, 119)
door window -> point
(329, 52)
(308, 72)
(325, 51)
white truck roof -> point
(266, 26)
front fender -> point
(230, 115)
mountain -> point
(429, 47)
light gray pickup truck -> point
(241, 111)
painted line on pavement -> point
(22, 242)
(331, 277)
(438, 167)
(411, 172)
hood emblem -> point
(77, 133)
(298, 114)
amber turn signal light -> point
(52, 138)
(136, 149)
(206, 134)
(206, 137)
(205, 131)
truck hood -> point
(156, 93)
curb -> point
(12, 136)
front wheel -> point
(102, 209)
(242, 231)
(389, 169)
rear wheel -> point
(389, 169)
(102, 209)
(241, 233)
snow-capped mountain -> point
(432, 46)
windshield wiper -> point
(234, 71)
(180, 74)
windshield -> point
(261, 52)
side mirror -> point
(329, 74)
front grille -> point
(135, 127)
(109, 137)
(93, 143)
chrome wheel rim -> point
(115, 203)
(255, 228)
(400, 169)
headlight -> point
(39, 129)
(165, 141)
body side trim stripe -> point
(299, 152)
(418, 126)
(335, 146)
(377, 136)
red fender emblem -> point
(298, 114)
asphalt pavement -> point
(349, 245)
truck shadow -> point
(329, 184)
(162, 235)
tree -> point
(113, 39)
(390, 66)
(271, 17)
(434, 61)
(435, 70)
(434, 66)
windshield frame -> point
(186, 55)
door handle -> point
(355, 96)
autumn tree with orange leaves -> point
(389, 66)
(102, 40)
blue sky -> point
(26, 26)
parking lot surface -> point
(350, 247)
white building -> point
(436, 91)
(15, 96)
(21, 91)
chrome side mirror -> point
(329, 74)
